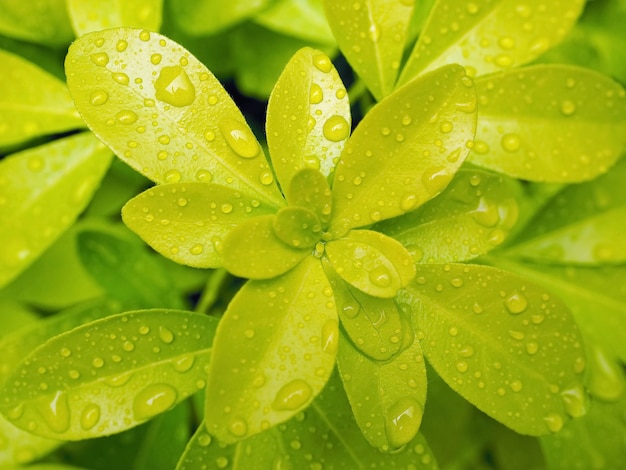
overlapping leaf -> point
(211, 16)
(553, 123)
(42, 192)
(286, 332)
(505, 345)
(302, 19)
(44, 22)
(405, 150)
(112, 14)
(164, 113)
(309, 189)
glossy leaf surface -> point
(33, 102)
(253, 250)
(303, 19)
(473, 215)
(488, 36)
(44, 22)
(309, 189)
(286, 331)
(187, 222)
(211, 16)
(405, 150)
(113, 14)
(373, 39)
(505, 345)
(387, 398)
(297, 227)
(152, 360)
(554, 123)
(308, 116)
(164, 113)
(42, 192)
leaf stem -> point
(211, 291)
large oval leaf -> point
(112, 14)
(308, 116)
(33, 102)
(285, 333)
(164, 113)
(109, 375)
(487, 36)
(473, 215)
(187, 222)
(405, 150)
(373, 39)
(504, 344)
(200, 17)
(45, 22)
(554, 123)
(42, 192)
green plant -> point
(367, 248)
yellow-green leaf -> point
(199, 17)
(297, 227)
(112, 14)
(303, 19)
(162, 111)
(309, 189)
(45, 21)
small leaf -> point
(554, 123)
(401, 154)
(309, 189)
(373, 40)
(187, 222)
(162, 112)
(303, 19)
(387, 398)
(286, 332)
(606, 378)
(113, 14)
(153, 359)
(297, 227)
(20, 447)
(33, 102)
(583, 223)
(44, 22)
(253, 250)
(200, 17)
(308, 116)
(42, 192)
(505, 345)
(486, 36)
(473, 215)
(372, 262)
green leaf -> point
(488, 36)
(505, 345)
(148, 360)
(473, 215)
(20, 446)
(187, 222)
(202, 449)
(606, 379)
(308, 116)
(303, 19)
(297, 227)
(164, 113)
(373, 39)
(553, 123)
(126, 271)
(44, 22)
(42, 192)
(33, 102)
(253, 250)
(211, 16)
(583, 223)
(113, 14)
(309, 189)
(401, 154)
(286, 333)
(387, 398)
(372, 262)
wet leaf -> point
(372, 262)
(387, 398)
(308, 116)
(187, 222)
(20, 447)
(373, 39)
(303, 19)
(253, 250)
(554, 123)
(162, 112)
(402, 154)
(42, 192)
(297, 227)
(488, 36)
(309, 189)
(473, 215)
(606, 379)
(211, 16)
(286, 331)
(44, 22)
(113, 14)
(505, 345)
(153, 359)
(33, 102)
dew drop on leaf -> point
(204, 440)
(184, 363)
(100, 58)
(516, 303)
(336, 128)
(56, 412)
(575, 401)
(98, 97)
(121, 45)
(172, 176)
(90, 416)
(153, 399)
(554, 422)
(435, 179)
(238, 137)
(174, 87)
(120, 77)
(316, 94)
(322, 63)
(330, 336)
(511, 142)
(156, 59)
(292, 396)
(126, 117)
(166, 335)
(238, 427)
(403, 421)
(380, 276)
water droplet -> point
(119, 380)
(126, 117)
(156, 59)
(221, 462)
(197, 249)
(226, 208)
(532, 348)
(408, 202)
(204, 440)
(330, 336)
(446, 127)
(462, 366)
(239, 137)
(316, 95)
(97, 362)
(435, 179)
(575, 401)
(292, 396)
(266, 178)
(403, 421)
(172, 176)
(120, 77)
(511, 142)
(554, 422)
(238, 427)
(165, 334)
(154, 399)
(121, 45)
(336, 128)
(518, 335)
(322, 63)
(90, 416)
(516, 386)
(516, 303)
(568, 108)
(144, 35)
(380, 276)
(100, 58)
(174, 87)
(56, 412)
(184, 363)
